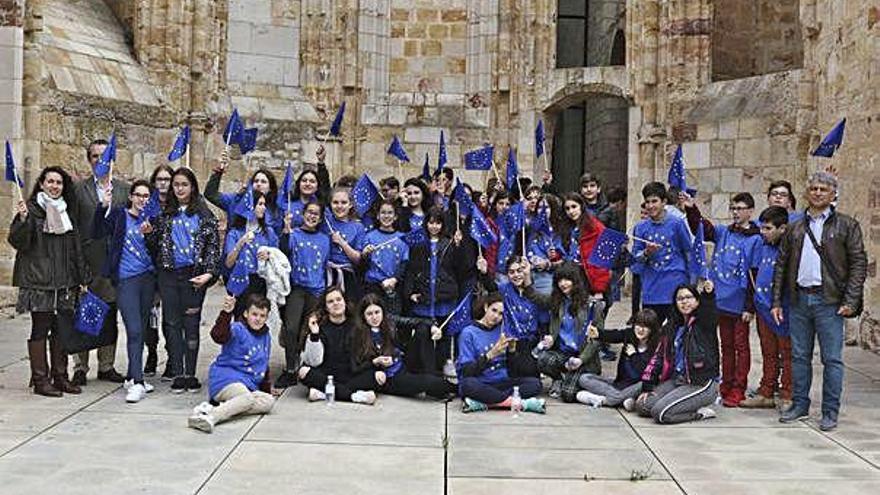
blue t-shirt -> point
(416, 221)
(571, 338)
(667, 267)
(244, 359)
(248, 253)
(764, 260)
(134, 259)
(308, 260)
(351, 230)
(385, 262)
(475, 341)
(679, 358)
(183, 232)
(396, 365)
(731, 261)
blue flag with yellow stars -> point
(480, 231)
(461, 316)
(153, 208)
(607, 248)
(180, 144)
(512, 170)
(102, 168)
(676, 177)
(245, 206)
(233, 130)
(539, 139)
(239, 278)
(336, 126)
(364, 194)
(248, 140)
(396, 150)
(479, 159)
(286, 189)
(11, 172)
(441, 159)
(832, 141)
(90, 314)
(426, 169)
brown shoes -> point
(40, 369)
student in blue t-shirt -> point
(663, 262)
(775, 340)
(263, 181)
(489, 366)
(347, 239)
(238, 381)
(375, 346)
(243, 241)
(129, 266)
(307, 249)
(386, 256)
(734, 289)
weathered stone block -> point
(731, 180)
(728, 129)
(752, 152)
(255, 11)
(430, 48)
(239, 37)
(428, 15)
(752, 128)
(454, 15)
(278, 41)
(696, 155)
(400, 14)
(721, 154)
(438, 31)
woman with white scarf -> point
(49, 271)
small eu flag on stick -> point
(607, 248)
(11, 172)
(364, 194)
(105, 163)
(441, 159)
(480, 159)
(181, 144)
(460, 317)
(832, 141)
(396, 150)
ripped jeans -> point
(181, 316)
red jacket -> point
(599, 277)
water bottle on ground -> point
(515, 402)
(330, 391)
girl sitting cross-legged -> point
(489, 366)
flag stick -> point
(643, 240)
(187, 157)
(327, 221)
(448, 318)
(400, 172)
(496, 172)
(383, 244)
(522, 198)
(479, 249)
(457, 218)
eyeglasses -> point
(779, 194)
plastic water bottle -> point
(515, 402)
(330, 391)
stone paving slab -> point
(304, 469)
(469, 486)
(579, 438)
(781, 487)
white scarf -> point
(57, 220)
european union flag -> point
(245, 206)
(364, 194)
(699, 269)
(512, 170)
(239, 278)
(180, 144)
(286, 189)
(396, 150)
(607, 248)
(461, 316)
(540, 224)
(153, 208)
(539, 139)
(676, 177)
(441, 160)
(415, 237)
(102, 168)
(480, 159)
(90, 314)
(336, 126)
(234, 128)
(832, 141)
(248, 140)
(426, 169)
(480, 229)
(461, 195)
(512, 220)
(11, 173)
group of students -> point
(373, 304)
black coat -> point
(46, 261)
(417, 279)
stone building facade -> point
(747, 86)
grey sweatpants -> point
(671, 402)
(600, 385)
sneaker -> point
(178, 386)
(590, 399)
(706, 413)
(286, 379)
(555, 389)
(192, 384)
(202, 422)
(449, 371)
(534, 405)
(79, 378)
(147, 387)
(135, 393)
(793, 414)
(111, 376)
(203, 408)
(167, 375)
(758, 402)
(316, 395)
(469, 405)
(629, 404)
(828, 422)
(367, 397)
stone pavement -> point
(96, 443)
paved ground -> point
(96, 443)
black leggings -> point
(42, 324)
(366, 380)
(299, 303)
(407, 384)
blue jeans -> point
(811, 317)
(134, 296)
(181, 316)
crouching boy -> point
(238, 381)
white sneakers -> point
(315, 395)
(136, 391)
(203, 408)
(364, 397)
(590, 399)
(202, 422)
(706, 413)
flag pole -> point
(496, 172)
(457, 218)
(187, 156)
(523, 199)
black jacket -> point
(206, 243)
(46, 261)
(701, 347)
(418, 272)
